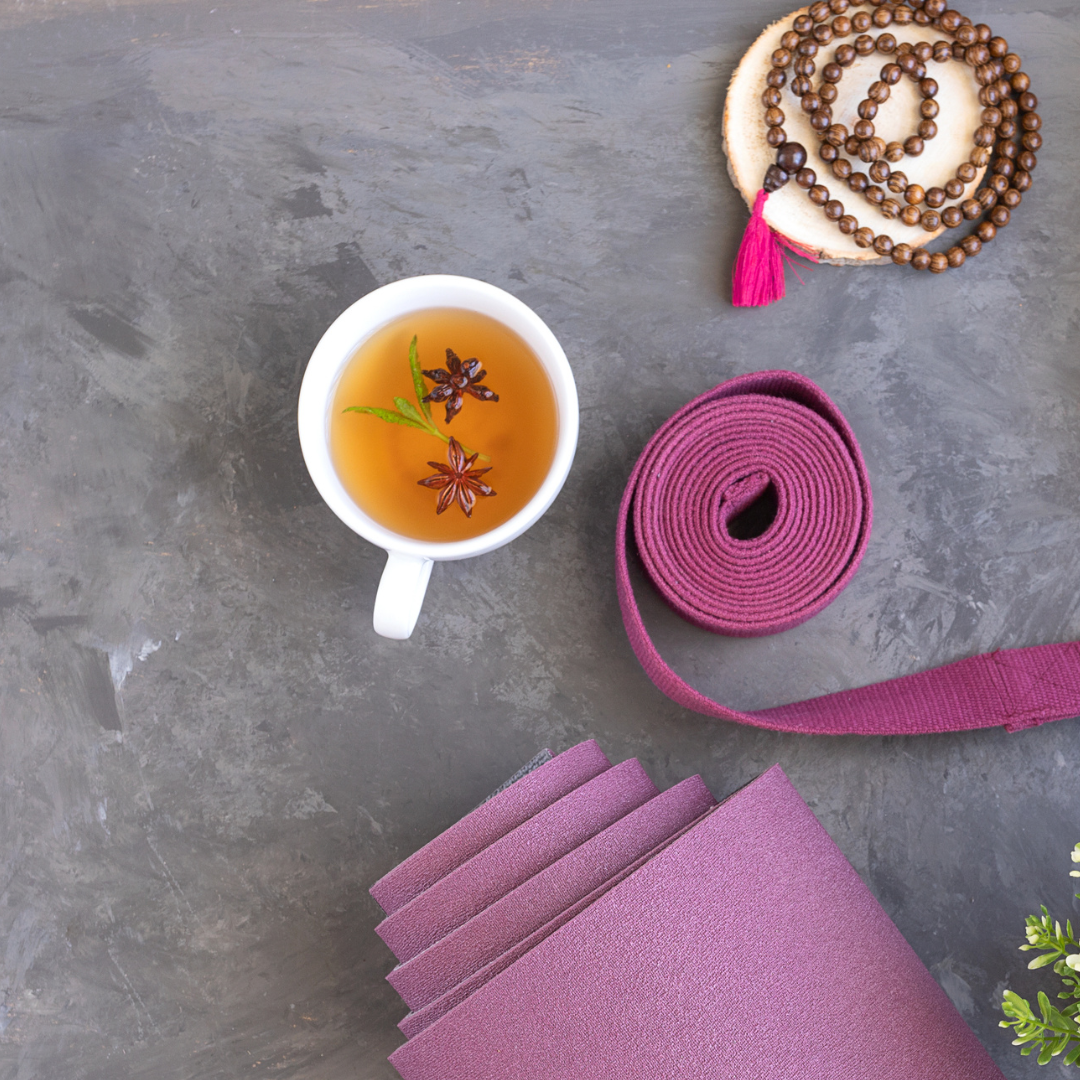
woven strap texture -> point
(776, 435)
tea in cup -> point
(438, 418)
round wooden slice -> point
(788, 210)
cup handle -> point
(401, 594)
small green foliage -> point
(1053, 1031)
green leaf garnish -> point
(418, 378)
(388, 415)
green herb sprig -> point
(1054, 1031)
(407, 414)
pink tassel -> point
(759, 267)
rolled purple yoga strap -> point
(774, 439)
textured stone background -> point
(206, 755)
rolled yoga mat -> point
(776, 436)
(748, 949)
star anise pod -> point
(463, 378)
(458, 480)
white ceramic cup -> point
(408, 564)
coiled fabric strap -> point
(776, 436)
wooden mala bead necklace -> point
(827, 39)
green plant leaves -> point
(388, 415)
(419, 385)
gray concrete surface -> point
(206, 755)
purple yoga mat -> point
(514, 858)
(415, 1022)
(776, 430)
(487, 823)
(749, 949)
(545, 895)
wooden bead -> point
(867, 109)
(776, 78)
(819, 194)
(914, 194)
(1031, 121)
(1021, 180)
(861, 22)
(951, 216)
(803, 24)
(935, 197)
(942, 51)
(950, 21)
(920, 259)
(908, 62)
(998, 46)
(878, 92)
(806, 178)
(1000, 216)
(891, 74)
(848, 224)
(898, 182)
(828, 93)
(864, 237)
(986, 231)
(910, 215)
(828, 153)
(903, 15)
(992, 116)
(972, 245)
(953, 189)
(801, 85)
(1007, 129)
(901, 254)
(841, 26)
(929, 109)
(928, 88)
(987, 198)
(984, 136)
(966, 173)
(1027, 160)
(1031, 140)
(939, 262)
(886, 44)
(842, 169)
(838, 7)
(821, 120)
(971, 209)
(810, 102)
(846, 55)
(890, 208)
(775, 178)
(1009, 109)
(808, 48)
(836, 135)
(998, 184)
(774, 117)
(852, 145)
(771, 97)
(804, 66)
(882, 18)
(883, 244)
(966, 35)
(880, 172)
(858, 182)
(776, 137)
(913, 145)
(1004, 168)
(924, 51)
(1020, 82)
(1011, 63)
(791, 157)
(894, 151)
(979, 157)
(823, 34)
(834, 209)
(863, 129)
(930, 221)
(985, 33)
(989, 95)
(790, 41)
(1011, 199)
(872, 149)
(832, 72)
(781, 58)
(935, 8)
(875, 195)
(819, 11)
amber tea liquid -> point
(379, 463)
